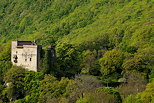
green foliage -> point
(113, 92)
(1, 96)
(68, 59)
(147, 95)
(32, 82)
(144, 97)
(134, 63)
(103, 94)
(102, 30)
(140, 61)
(51, 88)
(31, 87)
(135, 83)
(131, 99)
(151, 75)
(131, 49)
(45, 63)
(111, 79)
(5, 60)
(96, 97)
(111, 62)
(89, 63)
(14, 79)
(81, 85)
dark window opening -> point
(15, 61)
(30, 59)
(25, 59)
(15, 58)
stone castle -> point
(26, 54)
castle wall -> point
(13, 50)
(27, 56)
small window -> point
(15, 61)
(30, 59)
(15, 58)
(25, 59)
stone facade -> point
(26, 54)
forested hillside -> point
(104, 49)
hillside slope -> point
(107, 42)
(83, 21)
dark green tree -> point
(31, 87)
(89, 63)
(14, 79)
(68, 59)
(45, 63)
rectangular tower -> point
(25, 54)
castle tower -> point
(26, 54)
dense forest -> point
(104, 51)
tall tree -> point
(111, 62)
(68, 59)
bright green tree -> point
(111, 62)
(51, 89)
(147, 95)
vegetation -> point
(104, 51)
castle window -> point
(15, 58)
(30, 59)
(25, 59)
(15, 61)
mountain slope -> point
(82, 20)
(106, 40)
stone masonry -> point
(26, 54)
